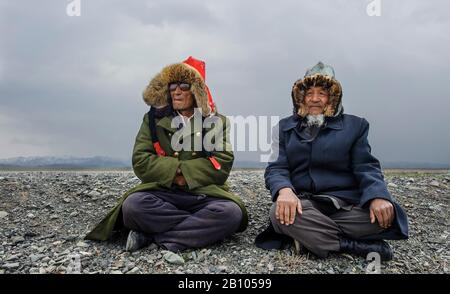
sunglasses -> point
(183, 86)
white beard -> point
(315, 120)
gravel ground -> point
(44, 216)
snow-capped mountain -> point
(65, 161)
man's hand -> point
(383, 211)
(287, 205)
(179, 179)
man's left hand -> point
(383, 211)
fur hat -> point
(190, 71)
(320, 75)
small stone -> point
(3, 214)
(194, 255)
(270, 267)
(206, 252)
(41, 249)
(330, 271)
(135, 270)
(84, 253)
(30, 215)
(73, 214)
(82, 244)
(35, 257)
(13, 257)
(116, 272)
(66, 200)
(434, 184)
(17, 239)
(392, 185)
(30, 234)
(94, 194)
(414, 188)
(11, 265)
(152, 247)
(54, 216)
(118, 264)
(173, 258)
(42, 270)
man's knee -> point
(306, 212)
(228, 211)
(131, 205)
(272, 214)
(356, 223)
(132, 208)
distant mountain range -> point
(104, 162)
(64, 162)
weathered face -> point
(182, 98)
(316, 100)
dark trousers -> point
(178, 220)
(320, 226)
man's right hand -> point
(287, 205)
(179, 179)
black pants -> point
(180, 220)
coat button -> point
(176, 154)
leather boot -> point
(363, 248)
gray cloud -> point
(72, 85)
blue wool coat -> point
(337, 162)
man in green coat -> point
(183, 201)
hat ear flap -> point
(155, 92)
(335, 93)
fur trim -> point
(317, 80)
(157, 92)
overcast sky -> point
(73, 85)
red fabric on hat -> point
(200, 66)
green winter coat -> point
(157, 172)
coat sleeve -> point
(367, 170)
(277, 174)
(147, 165)
(200, 172)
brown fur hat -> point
(320, 75)
(157, 91)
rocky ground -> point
(44, 215)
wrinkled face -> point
(182, 98)
(316, 100)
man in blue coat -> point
(328, 189)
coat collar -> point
(295, 120)
(196, 128)
(334, 123)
